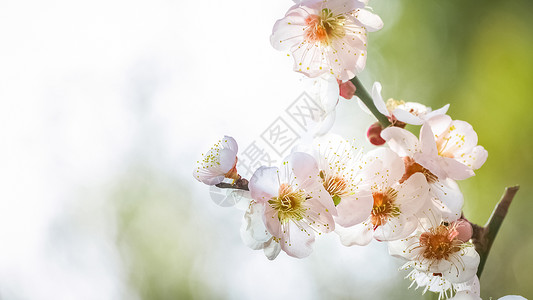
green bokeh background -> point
(475, 55)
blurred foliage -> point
(156, 247)
(477, 56)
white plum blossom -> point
(395, 205)
(448, 148)
(341, 172)
(441, 258)
(218, 163)
(400, 112)
(445, 193)
(296, 205)
(326, 36)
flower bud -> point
(374, 134)
(346, 89)
(464, 230)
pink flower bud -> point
(464, 230)
(346, 89)
(374, 134)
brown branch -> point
(239, 184)
(483, 237)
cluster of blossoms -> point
(403, 192)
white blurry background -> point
(104, 108)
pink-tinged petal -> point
(463, 265)
(407, 117)
(320, 217)
(345, 57)
(309, 59)
(370, 21)
(439, 124)
(441, 111)
(304, 167)
(378, 100)
(272, 249)
(208, 177)
(451, 197)
(297, 242)
(339, 7)
(354, 209)
(360, 234)
(466, 295)
(412, 194)
(229, 143)
(227, 160)
(264, 184)
(271, 220)
(401, 141)
(396, 228)
(288, 32)
(392, 170)
(428, 146)
(459, 138)
(432, 163)
(454, 169)
(475, 159)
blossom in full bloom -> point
(400, 112)
(448, 148)
(442, 261)
(220, 162)
(395, 205)
(295, 203)
(340, 168)
(326, 36)
(444, 192)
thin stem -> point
(483, 237)
(362, 93)
(239, 184)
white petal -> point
(412, 194)
(401, 141)
(309, 59)
(448, 192)
(474, 159)
(463, 265)
(512, 297)
(338, 7)
(354, 209)
(370, 21)
(264, 184)
(396, 228)
(454, 169)
(378, 100)
(440, 111)
(360, 234)
(406, 117)
(439, 124)
(272, 249)
(319, 217)
(297, 242)
(288, 32)
(404, 248)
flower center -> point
(384, 207)
(324, 28)
(439, 243)
(336, 186)
(411, 167)
(289, 204)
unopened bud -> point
(374, 134)
(346, 89)
(464, 230)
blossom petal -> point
(264, 184)
(475, 159)
(401, 141)
(412, 194)
(288, 31)
(463, 265)
(407, 117)
(354, 209)
(448, 192)
(454, 169)
(297, 242)
(369, 20)
(360, 234)
(378, 100)
(272, 249)
(396, 228)
(440, 111)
